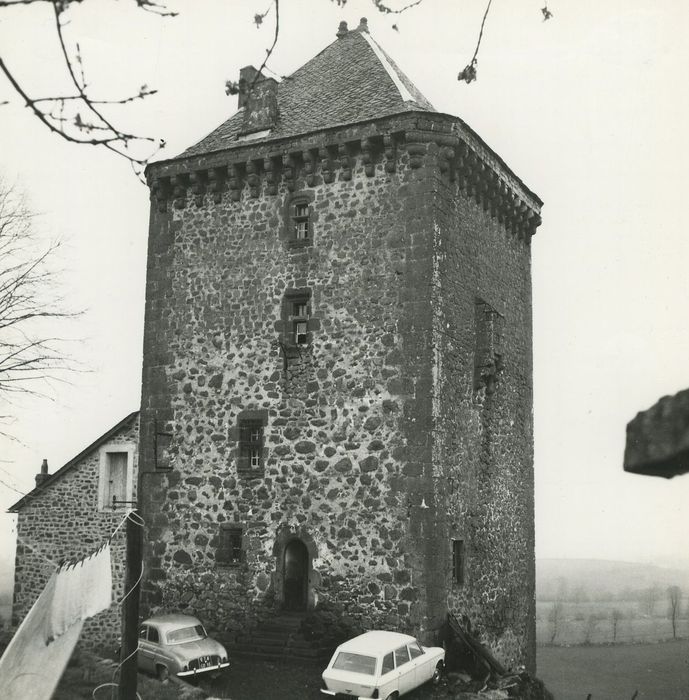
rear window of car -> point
(185, 634)
(356, 663)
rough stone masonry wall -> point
(64, 523)
(347, 426)
(484, 435)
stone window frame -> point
(458, 561)
(231, 534)
(295, 217)
(250, 420)
(104, 472)
(488, 346)
(297, 329)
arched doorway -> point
(296, 575)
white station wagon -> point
(382, 665)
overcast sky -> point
(590, 109)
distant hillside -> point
(599, 579)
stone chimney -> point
(258, 96)
(43, 474)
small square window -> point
(300, 309)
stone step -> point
(280, 624)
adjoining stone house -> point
(337, 370)
(69, 514)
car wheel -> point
(437, 673)
(392, 696)
(162, 673)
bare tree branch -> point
(30, 357)
(78, 117)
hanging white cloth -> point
(30, 669)
(32, 664)
(81, 591)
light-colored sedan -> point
(382, 665)
(178, 645)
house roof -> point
(352, 80)
(124, 423)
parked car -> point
(178, 645)
(380, 664)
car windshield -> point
(357, 663)
(186, 634)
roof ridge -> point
(38, 489)
(351, 80)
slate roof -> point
(124, 423)
(347, 82)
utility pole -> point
(130, 609)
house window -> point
(300, 319)
(301, 221)
(116, 477)
(297, 308)
(250, 444)
(458, 561)
(229, 545)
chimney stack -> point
(258, 96)
(43, 474)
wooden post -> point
(130, 609)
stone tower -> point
(337, 377)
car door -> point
(387, 683)
(145, 653)
(420, 663)
(405, 670)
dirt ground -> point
(270, 680)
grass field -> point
(632, 627)
(657, 671)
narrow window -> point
(301, 221)
(115, 479)
(229, 545)
(388, 664)
(296, 314)
(487, 346)
(458, 561)
(250, 444)
(116, 486)
(300, 319)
